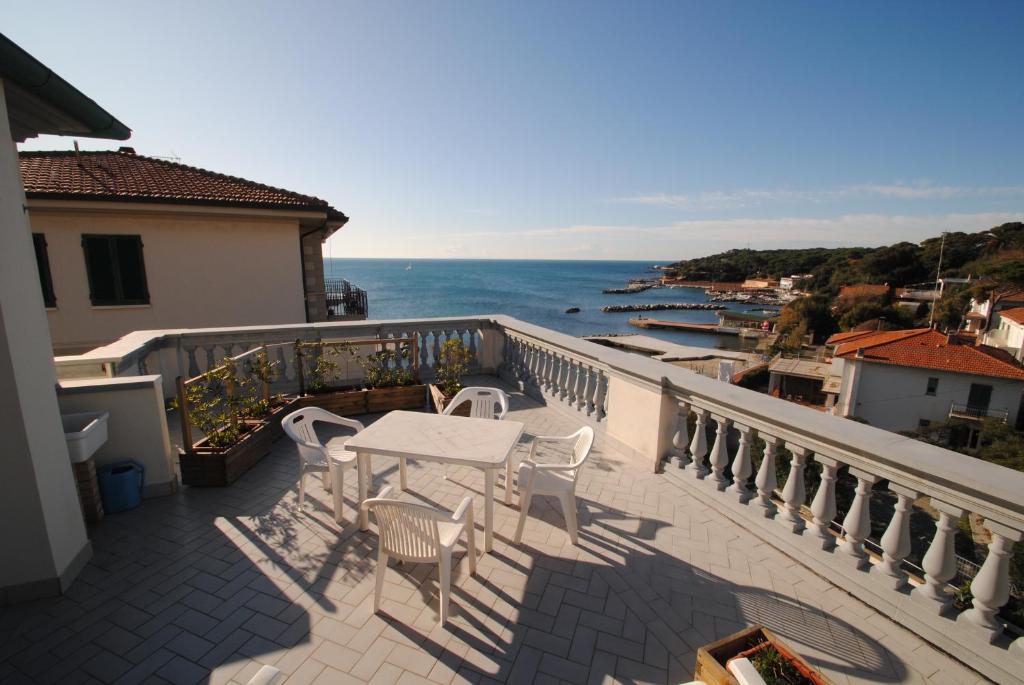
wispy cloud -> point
(734, 199)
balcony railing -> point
(701, 432)
(966, 411)
(344, 301)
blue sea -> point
(538, 291)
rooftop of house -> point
(926, 348)
(1015, 315)
(123, 176)
(209, 583)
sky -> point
(571, 130)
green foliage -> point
(998, 442)
(775, 669)
(386, 368)
(892, 317)
(211, 410)
(452, 365)
(951, 308)
(813, 313)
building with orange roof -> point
(900, 380)
(1007, 331)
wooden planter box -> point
(371, 401)
(207, 466)
(440, 401)
(712, 658)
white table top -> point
(482, 443)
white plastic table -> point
(484, 444)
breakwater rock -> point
(663, 306)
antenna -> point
(938, 274)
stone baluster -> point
(436, 348)
(719, 453)
(210, 362)
(527, 364)
(582, 372)
(538, 365)
(421, 344)
(857, 524)
(570, 382)
(681, 434)
(741, 465)
(823, 506)
(991, 587)
(193, 363)
(566, 375)
(895, 541)
(699, 445)
(939, 561)
(473, 333)
(601, 396)
(545, 370)
(592, 381)
(554, 373)
(765, 480)
(793, 492)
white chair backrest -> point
(407, 531)
(482, 402)
(299, 427)
(581, 448)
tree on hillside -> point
(891, 318)
(813, 313)
(951, 308)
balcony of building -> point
(706, 508)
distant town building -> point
(900, 380)
(795, 282)
(1007, 331)
(799, 380)
(760, 283)
(981, 314)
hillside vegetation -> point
(997, 252)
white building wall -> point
(202, 271)
(894, 397)
(1007, 335)
(41, 526)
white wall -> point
(203, 270)
(893, 397)
(1006, 334)
(41, 526)
(136, 429)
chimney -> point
(125, 150)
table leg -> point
(337, 478)
(363, 466)
(403, 482)
(488, 508)
(508, 480)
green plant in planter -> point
(324, 368)
(261, 372)
(452, 366)
(211, 410)
(387, 369)
(775, 669)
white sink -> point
(85, 433)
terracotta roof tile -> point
(838, 338)
(928, 349)
(125, 176)
(1016, 314)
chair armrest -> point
(555, 438)
(467, 503)
(382, 495)
(342, 421)
(555, 467)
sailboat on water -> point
(409, 267)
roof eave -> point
(34, 81)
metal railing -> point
(344, 300)
(966, 411)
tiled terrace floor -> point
(206, 585)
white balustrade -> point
(699, 445)
(741, 466)
(939, 561)
(991, 587)
(794, 492)
(766, 481)
(681, 436)
(895, 542)
(719, 457)
(823, 506)
(857, 524)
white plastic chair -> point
(558, 480)
(314, 456)
(421, 534)
(483, 401)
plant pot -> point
(440, 401)
(368, 401)
(206, 466)
(712, 658)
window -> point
(116, 270)
(43, 262)
(933, 386)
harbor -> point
(663, 306)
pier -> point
(641, 322)
(664, 306)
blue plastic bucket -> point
(121, 485)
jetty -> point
(664, 306)
(629, 289)
(687, 326)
